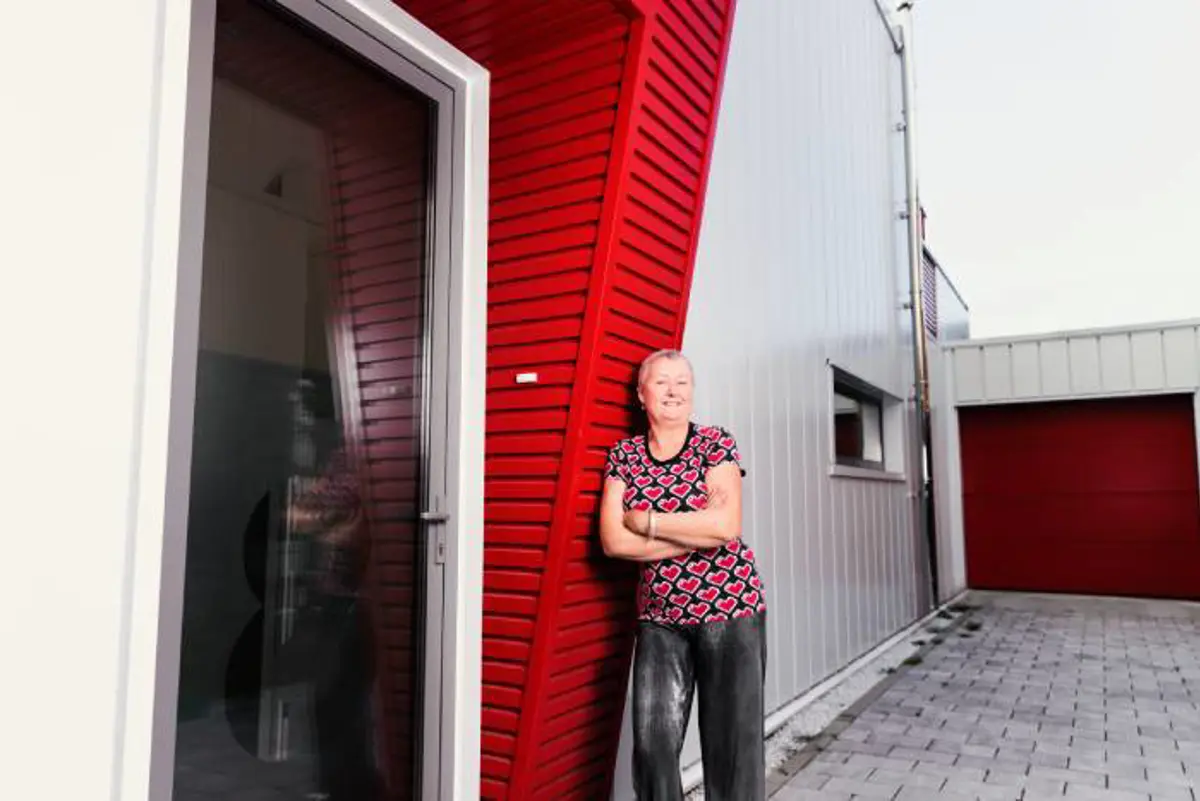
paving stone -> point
(923, 756)
(981, 790)
(1005, 778)
(1170, 778)
(1042, 759)
(949, 771)
(902, 741)
(829, 757)
(906, 779)
(1069, 776)
(1021, 744)
(1158, 792)
(1081, 700)
(989, 764)
(789, 793)
(1092, 762)
(923, 794)
(1164, 749)
(856, 747)
(809, 780)
(886, 763)
(1042, 786)
(862, 789)
(1083, 793)
(843, 771)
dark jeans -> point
(728, 662)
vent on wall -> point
(929, 299)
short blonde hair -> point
(665, 353)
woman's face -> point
(666, 391)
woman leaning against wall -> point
(673, 502)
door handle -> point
(435, 517)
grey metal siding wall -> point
(801, 264)
(947, 475)
(1068, 365)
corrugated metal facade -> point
(601, 128)
(801, 264)
(1080, 364)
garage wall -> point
(1111, 363)
(1078, 364)
(1095, 497)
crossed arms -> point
(625, 535)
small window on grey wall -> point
(857, 422)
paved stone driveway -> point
(1049, 698)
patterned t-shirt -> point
(703, 586)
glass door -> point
(311, 597)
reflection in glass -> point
(300, 665)
(857, 428)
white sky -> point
(1059, 158)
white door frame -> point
(153, 602)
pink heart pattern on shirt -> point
(705, 585)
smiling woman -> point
(673, 500)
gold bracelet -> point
(652, 529)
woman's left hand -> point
(638, 521)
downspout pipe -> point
(916, 297)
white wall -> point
(801, 263)
(104, 156)
(91, 153)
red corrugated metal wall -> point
(602, 121)
(1095, 497)
(638, 302)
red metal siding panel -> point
(552, 135)
(1093, 497)
(557, 70)
(602, 121)
(636, 305)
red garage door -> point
(1094, 497)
